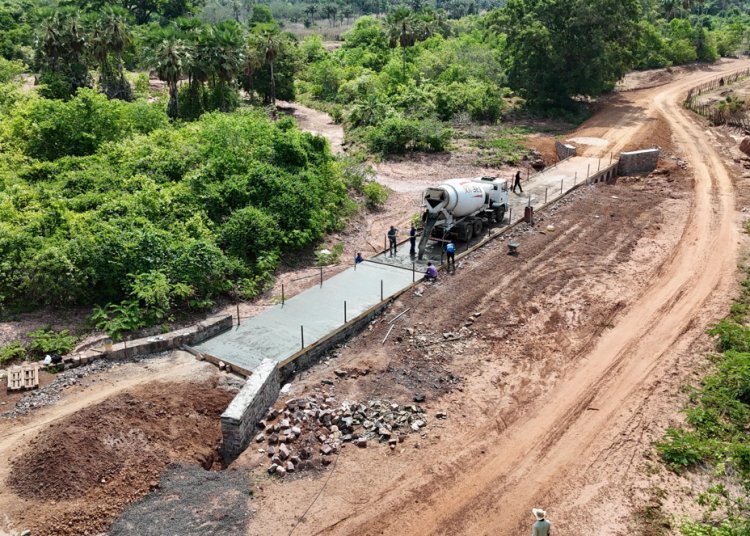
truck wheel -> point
(478, 224)
(469, 234)
(500, 214)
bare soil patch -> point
(85, 468)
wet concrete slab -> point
(275, 333)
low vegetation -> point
(715, 433)
(104, 202)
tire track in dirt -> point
(560, 434)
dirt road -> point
(554, 448)
(559, 437)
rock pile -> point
(310, 430)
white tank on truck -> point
(458, 208)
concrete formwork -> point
(278, 332)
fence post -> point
(238, 314)
(510, 216)
(344, 311)
(381, 290)
(599, 165)
(588, 171)
(302, 335)
(545, 194)
(282, 294)
(321, 277)
(575, 178)
(561, 186)
(413, 272)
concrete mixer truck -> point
(459, 208)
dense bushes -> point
(104, 202)
(397, 135)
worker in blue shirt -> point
(358, 258)
(450, 250)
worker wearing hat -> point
(541, 527)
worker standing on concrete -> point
(358, 258)
(541, 527)
(413, 240)
(450, 250)
(392, 240)
(431, 273)
(517, 182)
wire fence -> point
(712, 112)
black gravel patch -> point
(190, 502)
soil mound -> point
(114, 452)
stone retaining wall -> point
(564, 150)
(642, 161)
(189, 336)
(239, 420)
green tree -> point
(169, 59)
(557, 49)
(109, 38)
(402, 32)
(62, 64)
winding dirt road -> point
(560, 436)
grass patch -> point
(718, 421)
(508, 147)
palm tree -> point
(227, 55)
(271, 51)
(109, 38)
(401, 32)
(169, 59)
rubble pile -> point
(310, 430)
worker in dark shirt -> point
(517, 182)
(358, 258)
(392, 240)
(413, 240)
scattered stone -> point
(284, 451)
(362, 442)
(260, 438)
(326, 450)
(340, 373)
(280, 471)
(419, 397)
(441, 415)
(289, 467)
(745, 145)
(273, 468)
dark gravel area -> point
(190, 502)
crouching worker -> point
(431, 273)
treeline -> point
(104, 201)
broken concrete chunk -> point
(284, 451)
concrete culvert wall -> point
(643, 161)
(249, 406)
(564, 150)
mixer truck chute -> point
(459, 208)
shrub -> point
(397, 135)
(14, 351)
(375, 194)
(47, 341)
(732, 336)
(681, 449)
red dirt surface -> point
(85, 468)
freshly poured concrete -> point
(275, 333)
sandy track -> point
(560, 436)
